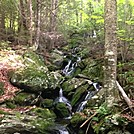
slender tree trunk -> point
(38, 25)
(2, 25)
(30, 21)
(110, 52)
(23, 16)
(81, 4)
(53, 15)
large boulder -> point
(33, 122)
(35, 76)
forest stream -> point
(58, 98)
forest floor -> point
(10, 60)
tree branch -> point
(128, 101)
(88, 119)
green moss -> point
(71, 84)
(78, 94)
(10, 105)
(23, 98)
(77, 119)
(36, 78)
(61, 110)
(3, 112)
(1, 88)
(44, 113)
(44, 121)
(43, 125)
(47, 103)
(93, 70)
(32, 59)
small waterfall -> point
(66, 69)
(82, 105)
(60, 128)
(94, 34)
(64, 100)
(89, 95)
(63, 130)
(97, 86)
(70, 67)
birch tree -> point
(111, 92)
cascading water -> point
(96, 86)
(66, 69)
(70, 67)
(89, 95)
(63, 130)
(64, 100)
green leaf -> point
(95, 119)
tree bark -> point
(53, 15)
(30, 21)
(38, 19)
(110, 55)
(23, 16)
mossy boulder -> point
(61, 110)
(69, 87)
(31, 78)
(79, 95)
(75, 90)
(57, 58)
(24, 99)
(47, 103)
(43, 112)
(37, 121)
(36, 79)
(77, 119)
(118, 132)
(35, 76)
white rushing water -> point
(70, 67)
(89, 95)
(63, 130)
(64, 100)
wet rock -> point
(118, 132)
(57, 58)
(70, 86)
(79, 95)
(47, 103)
(61, 110)
(34, 122)
(24, 99)
(35, 76)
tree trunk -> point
(30, 21)
(110, 52)
(2, 25)
(53, 15)
(23, 16)
(37, 29)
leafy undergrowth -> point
(9, 61)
